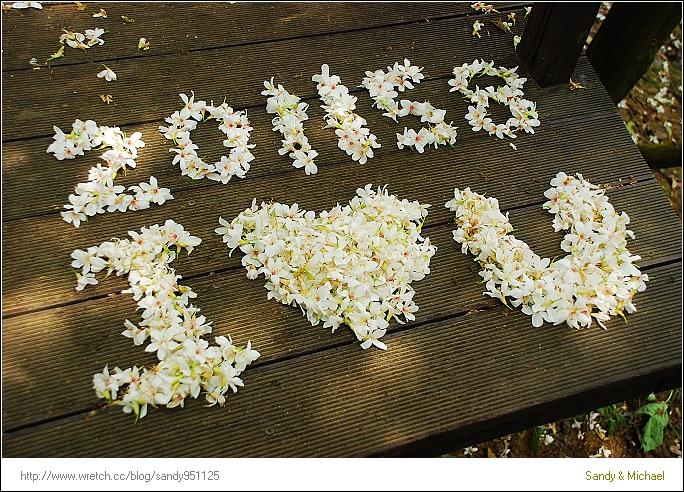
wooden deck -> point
(464, 371)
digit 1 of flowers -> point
(524, 112)
(290, 113)
(234, 125)
(187, 364)
(99, 193)
(381, 87)
(597, 280)
(352, 265)
(354, 138)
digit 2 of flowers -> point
(351, 265)
(291, 112)
(523, 111)
(381, 87)
(354, 138)
(100, 194)
(597, 280)
(235, 126)
(187, 364)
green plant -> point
(611, 416)
(658, 419)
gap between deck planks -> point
(434, 382)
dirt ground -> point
(653, 114)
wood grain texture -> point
(433, 382)
(447, 378)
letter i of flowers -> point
(381, 87)
(187, 363)
(354, 138)
(290, 112)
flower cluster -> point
(187, 364)
(483, 7)
(524, 114)
(100, 194)
(234, 124)
(354, 138)
(291, 112)
(82, 41)
(352, 264)
(477, 27)
(24, 5)
(381, 87)
(598, 279)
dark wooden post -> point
(553, 39)
(628, 40)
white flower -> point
(469, 450)
(108, 74)
(25, 5)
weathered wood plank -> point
(557, 106)
(177, 27)
(628, 41)
(349, 402)
(553, 39)
(141, 94)
(84, 337)
(30, 261)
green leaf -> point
(538, 433)
(653, 430)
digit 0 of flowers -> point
(523, 111)
(235, 126)
(381, 87)
(351, 265)
(354, 138)
(100, 194)
(291, 112)
(596, 281)
(187, 364)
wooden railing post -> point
(628, 40)
(553, 39)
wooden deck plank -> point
(347, 402)
(446, 379)
(173, 28)
(326, 189)
(86, 336)
(236, 73)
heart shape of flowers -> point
(596, 280)
(351, 265)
